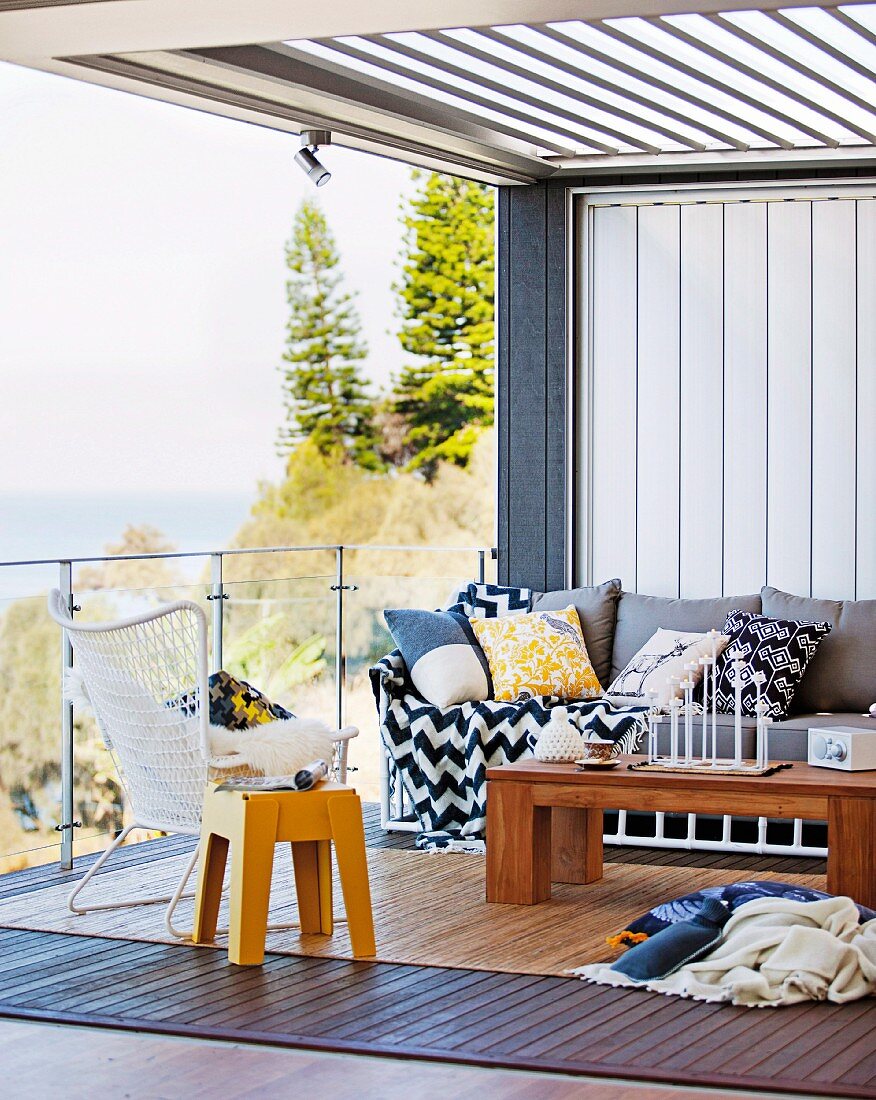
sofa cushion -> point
(638, 617)
(597, 611)
(537, 655)
(445, 662)
(666, 655)
(842, 674)
(775, 651)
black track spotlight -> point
(311, 140)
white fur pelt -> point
(281, 747)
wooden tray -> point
(708, 769)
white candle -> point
(674, 704)
(713, 667)
(687, 686)
(767, 722)
(759, 710)
(704, 661)
(738, 664)
(653, 714)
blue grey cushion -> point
(597, 612)
(842, 674)
(676, 944)
(445, 663)
(639, 616)
(734, 895)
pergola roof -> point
(802, 78)
(527, 100)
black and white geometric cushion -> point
(779, 648)
(492, 601)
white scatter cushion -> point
(445, 662)
(664, 655)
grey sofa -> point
(837, 688)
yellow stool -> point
(253, 822)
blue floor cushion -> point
(675, 945)
(733, 896)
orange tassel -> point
(626, 939)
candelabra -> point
(684, 756)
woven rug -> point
(428, 910)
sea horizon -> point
(49, 525)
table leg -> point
(211, 872)
(576, 844)
(252, 861)
(304, 860)
(851, 849)
(518, 845)
(348, 833)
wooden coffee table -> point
(544, 821)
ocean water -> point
(48, 525)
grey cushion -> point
(639, 616)
(789, 739)
(842, 674)
(597, 610)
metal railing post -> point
(340, 662)
(482, 566)
(217, 598)
(67, 825)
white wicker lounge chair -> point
(146, 678)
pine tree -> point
(446, 304)
(325, 395)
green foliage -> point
(446, 293)
(30, 736)
(325, 395)
(267, 654)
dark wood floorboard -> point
(478, 1017)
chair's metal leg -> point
(103, 906)
(177, 897)
(92, 871)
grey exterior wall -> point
(533, 382)
(531, 386)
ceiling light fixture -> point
(311, 140)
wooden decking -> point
(449, 1015)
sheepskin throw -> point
(282, 747)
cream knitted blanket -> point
(775, 952)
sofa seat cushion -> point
(788, 740)
(842, 674)
(597, 612)
(638, 617)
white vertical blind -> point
(702, 400)
(733, 394)
(745, 396)
(865, 571)
(613, 429)
(789, 393)
(834, 340)
(659, 401)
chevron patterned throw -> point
(442, 755)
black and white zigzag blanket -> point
(442, 755)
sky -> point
(142, 298)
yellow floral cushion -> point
(542, 653)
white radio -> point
(843, 747)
